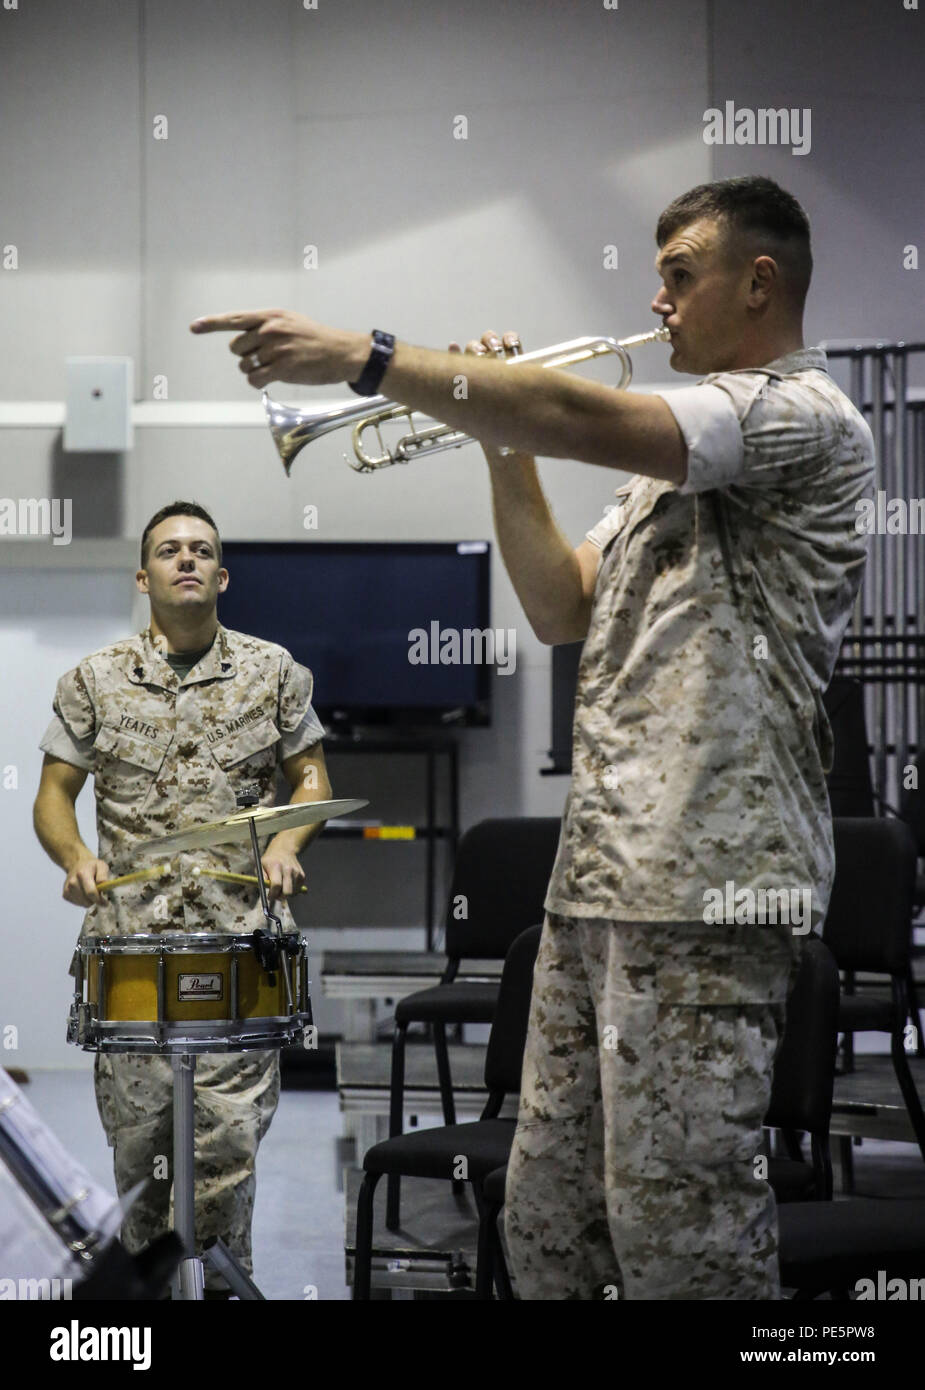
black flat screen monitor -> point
(372, 620)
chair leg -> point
(847, 1052)
(792, 1144)
(848, 987)
(907, 1084)
(446, 1087)
(502, 1278)
(822, 1167)
(443, 1074)
(912, 991)
(396, 1123)
(846, 1154)
(363, 1259)
(484, 1268)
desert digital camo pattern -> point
(168, 754)
(235, 1100)
(646, 1079)
(695, 761)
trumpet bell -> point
(292, 427)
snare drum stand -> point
(272, 956)
(189, 1282)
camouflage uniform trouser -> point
(235, 1100)
(647, 1075)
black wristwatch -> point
(367, 383)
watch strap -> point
(367, 383)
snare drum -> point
(185, 992)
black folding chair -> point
(484, 1143)
(827, 1247)
(499, 884)
(868, 928)
(912, 810)
(851, 791)
(804, 1075)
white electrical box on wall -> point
(98, 414)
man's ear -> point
(764, 276)
(141, 581)
(222, 580)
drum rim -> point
(136, 1033)
(222, 1027)
(171, 943)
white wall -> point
(52, 618)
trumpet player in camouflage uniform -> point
(171, 723)
(711, 600)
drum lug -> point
(79, 1022)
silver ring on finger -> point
(255, 361)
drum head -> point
(153, 943)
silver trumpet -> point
(292, 428)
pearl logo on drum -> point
(199, 987)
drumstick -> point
(238, 878)
(159, 871)
(163, 870)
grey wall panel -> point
(71, 180)
(857, 67)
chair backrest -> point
(504, 1058)
(869, 922)
(499, 881)
(851, 791)
(804, 1068)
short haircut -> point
(758, 211)
(177, 509)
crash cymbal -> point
(268, 820)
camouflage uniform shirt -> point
(700, 738)
(168, 755)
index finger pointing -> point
(224, 323)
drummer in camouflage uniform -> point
(172, 724)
